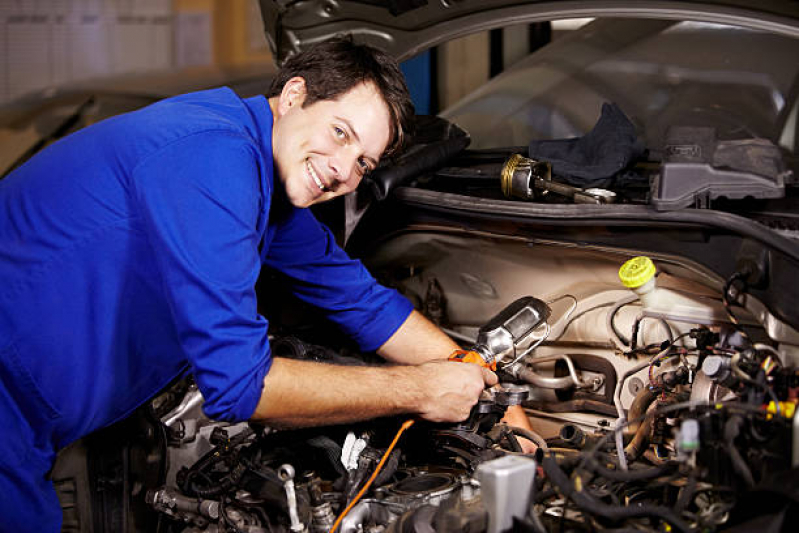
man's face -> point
(323, 150)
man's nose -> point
(344, 165)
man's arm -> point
(302, 393)
(416, 341)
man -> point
(129, 253)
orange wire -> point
(405, 425)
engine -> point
(661, 403)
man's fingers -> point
(489, 377)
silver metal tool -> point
(529, 179)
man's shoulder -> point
(205, 111)
(193, 119)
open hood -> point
(406, 27)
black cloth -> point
(593, 159)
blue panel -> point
(417, 73)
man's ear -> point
(292, 95)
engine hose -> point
(640, 404)
(731, 430)
(513, 442)
(687, 493)
(640, 441)
(592, 505)
(389, 469)
(529, 435)
(332, 451)
(643, 429)
(629, 475)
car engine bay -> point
(645, 320)
(666, 410)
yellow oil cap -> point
(637, 271)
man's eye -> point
(341, 134)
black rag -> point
(593, 159)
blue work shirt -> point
(131, 249)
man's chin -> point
(300, 199)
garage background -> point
(47, 44)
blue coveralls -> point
(129, 251)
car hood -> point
(406, 27)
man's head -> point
(338, 108)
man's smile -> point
(315, 176)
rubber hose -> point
(640, 441)
(592, 505)
(530, 435)
(731, 431)
(630, 475)
(637, 446)
(331, 450)
(640, 404)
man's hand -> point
(449, 390)
(418, 340)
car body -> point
(692, 373)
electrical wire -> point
(725, 298)
(615, 336)
(566, 318)
(691, 404)
(760, 347)
(405, 425)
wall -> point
(49, 43)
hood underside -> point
(405, 28)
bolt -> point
(635, 386)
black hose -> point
(732, 429)
(513, 442)
(389, 469)
(331, 450)
(639, 474)
(687, 493)
(529, 435)
(594, 506)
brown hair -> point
(333, 67)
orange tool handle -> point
(469, 356)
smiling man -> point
(129, 253)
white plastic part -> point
(506, 488)
(659, 302)
(351, 451)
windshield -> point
(661, 73)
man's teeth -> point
(315, 177)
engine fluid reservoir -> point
(638, 275)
